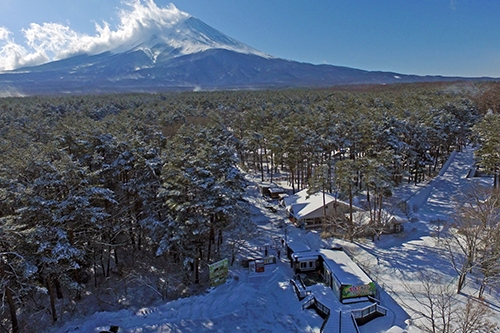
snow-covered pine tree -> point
(201, 188)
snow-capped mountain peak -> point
(159, 49)
(180, 34)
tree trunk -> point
(272, 165)
(94, 263)
(132, 236)
(436, 159)
(261, 164)
(297, 176)
(324, 210)
(12, 310)
(380, 203)
(58, 288)
(211, 239)
(52, 300)
(495, 177)
(351, 227)
(108, 268)
(233, 256)
(139, 241)
(416, 173)
(116, 255)
(219, 240)
(196, 270)
(101, 259)
(481, 290)
(461, 282)
(292, 179)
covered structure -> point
(345, 277)
(276, 191)
(295, 247)
(385, 222)
(308, 210)
(271, 190)
(305, 261)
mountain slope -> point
(185, 36)
(183, 54)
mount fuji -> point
(179, 54)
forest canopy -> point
(92, 186)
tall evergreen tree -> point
(488, 154)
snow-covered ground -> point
(266, 302)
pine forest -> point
(142, 191)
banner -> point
(358, 291)
(218, 272)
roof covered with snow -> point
(364, 217)
(296, 246)
(303, 205)
(346, 270)
(305, 256)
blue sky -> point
(435, 37)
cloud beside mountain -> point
(54, 41)
(155, 49)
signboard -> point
(218, 272)
(358, 291)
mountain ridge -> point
(186, 54)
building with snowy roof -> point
(308, 210)
(271, 190)
(388, 223)
(340, 273)
(294, 247)
(347, 280)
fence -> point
(374, 309)
(299, 290)
(355, 315)
(322, 309)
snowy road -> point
(437, 198)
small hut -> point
(345, 277)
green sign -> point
(358, 291)
(218, 272)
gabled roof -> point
(301, 204)
(363, 217)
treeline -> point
(416, 129)
(149, 187)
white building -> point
(308, 210)
(347, 280)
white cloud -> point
(11, 54)
(52, 41)
(4, 33)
